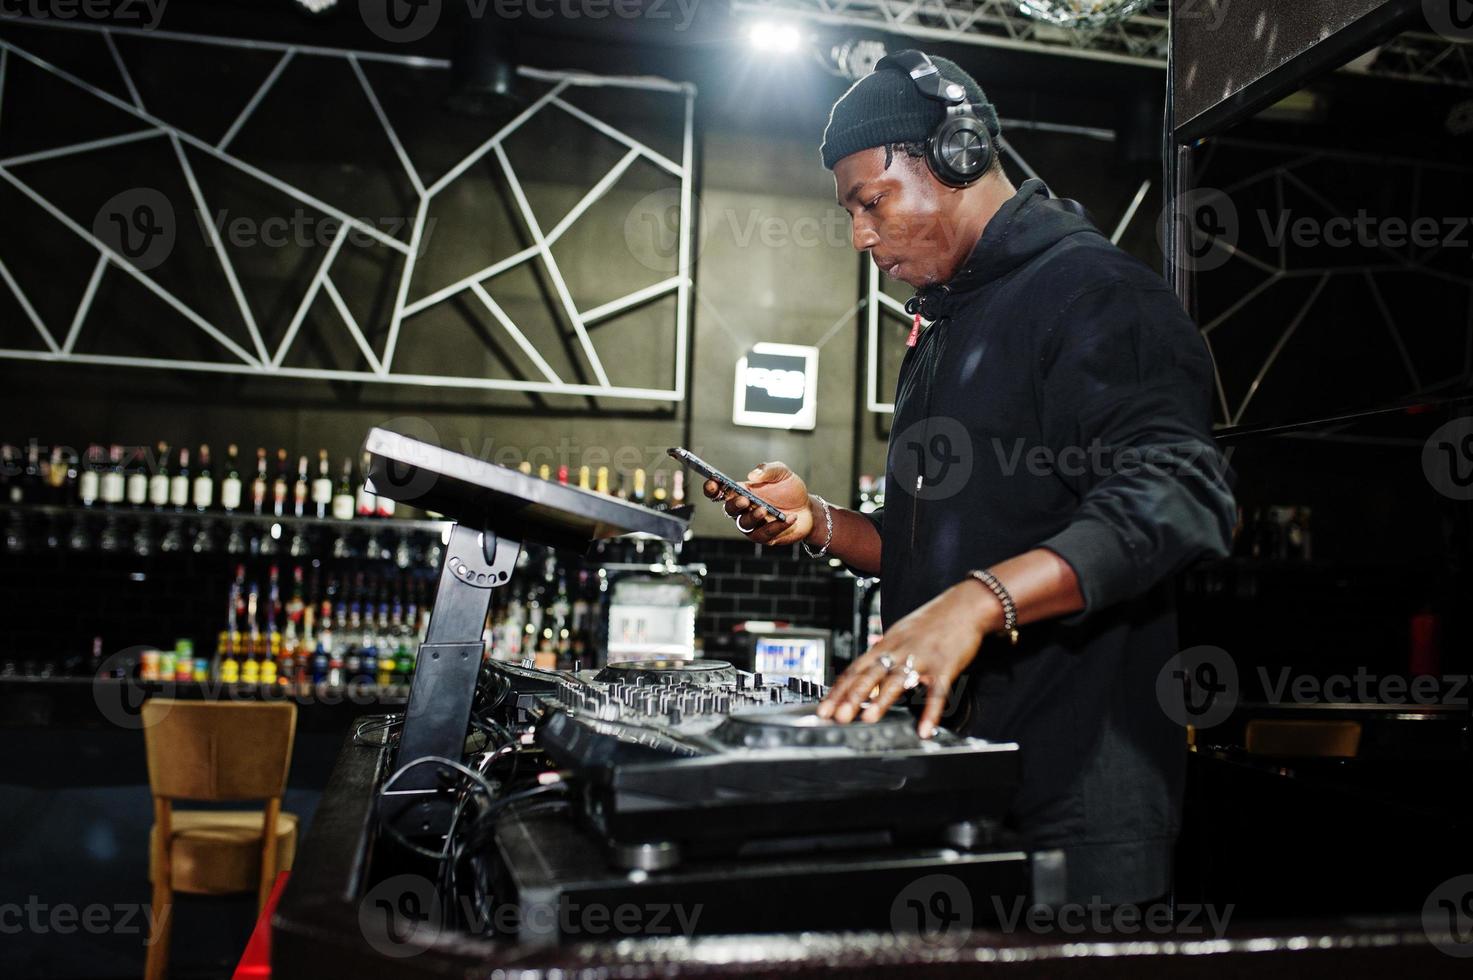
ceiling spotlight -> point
(778, 37)
(316, 7)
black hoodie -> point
(1060, 398)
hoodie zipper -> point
(930, 353)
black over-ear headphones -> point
(959, 149)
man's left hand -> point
(931, 646)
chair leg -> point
(160, 929)
(268, 851)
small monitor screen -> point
(777, 658)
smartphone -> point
(725, 482)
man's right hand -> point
(779, 486)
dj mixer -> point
(673, 759)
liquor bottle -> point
(365, 500)
(112, 478)
(638, 495)
(279, 487)
(602, 486)
(301, 490)
(297, 604)
(179, 483)
(662, 491)
(383, 506)
(342, 503)
(229, 666)
(259, 485)
(61, 477)
(10, 473)
(231, 486)
(89, 481)
(677, 491)
(204, 482)
(620, 490)
(250, 665)
(544, 472)
(270, 660)
(562, 475)
(137, 491)
(158, 482)
(34, 488)
(322, 655)
(525, 466)
(322, 486)
(583, 480)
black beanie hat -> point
(885, 107)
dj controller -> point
(696, 779)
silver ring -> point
(744, 530)
(887, 661)
(911, 679)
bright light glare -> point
(777, 37)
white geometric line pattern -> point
(267, 363)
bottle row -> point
(25, 529)
(165, 478)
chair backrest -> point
(218, 750)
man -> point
(1052, 435)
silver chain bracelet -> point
(828, 522)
